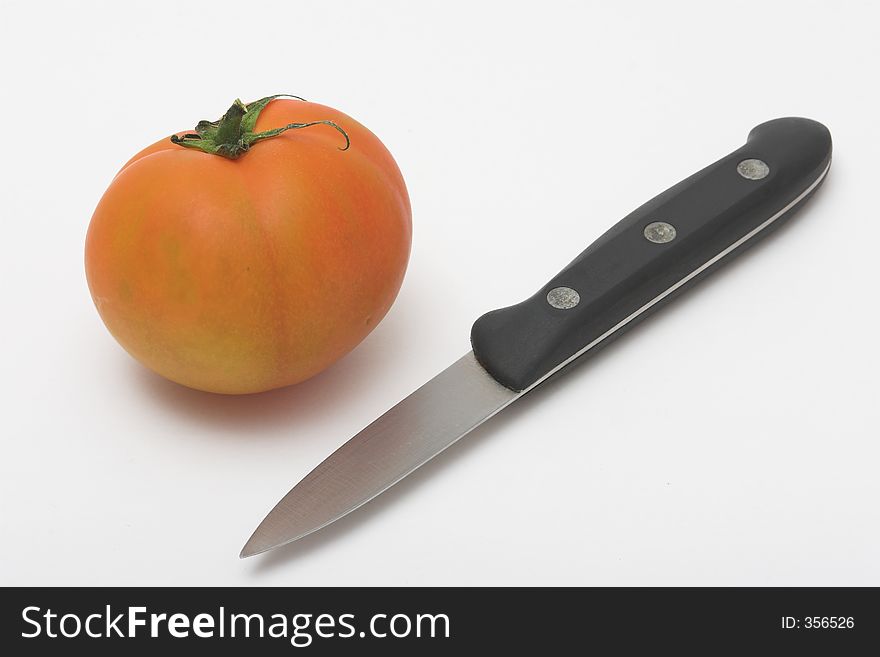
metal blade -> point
(447, 407)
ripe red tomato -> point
(246, 274)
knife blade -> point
(641, 263)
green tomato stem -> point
(233, 135)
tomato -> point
(258, 269)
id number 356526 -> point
(818, 622)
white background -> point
(731, 439)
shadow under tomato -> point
(294, 406)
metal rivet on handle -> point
(659, 232)
(752, 169)
(563, 298)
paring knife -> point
(642, 262)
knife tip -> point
(262, 542)
(253, 547)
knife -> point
(641, 263)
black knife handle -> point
(624, 276)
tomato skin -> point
(238, 276)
